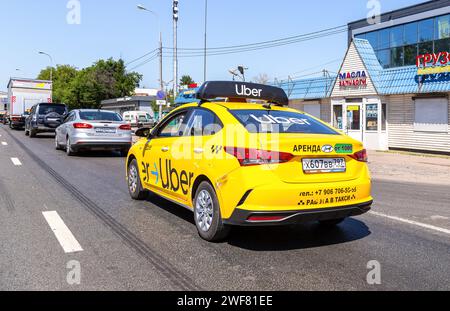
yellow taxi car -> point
(249, 160)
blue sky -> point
(117, 29)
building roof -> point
(315, 88)
(401, 80)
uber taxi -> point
(250, 161)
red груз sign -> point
(433, 59)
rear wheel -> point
(57, 145)
(331, 222)
(208, 218)
(32, 133)
(137, 192)
(27, 132)
(69, 150)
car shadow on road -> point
(304, 236)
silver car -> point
(93, 130)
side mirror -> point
(142, 132)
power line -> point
(144, 62)
(242, 50)
(215, 51)
(141, 57)
(270, 41)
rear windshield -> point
(46, 109)
(99, 116)
(267, 121)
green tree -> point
(186, 80)
(63, 75)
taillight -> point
(82, 126)
(249, 157)
(125, 127)
(361, 156)
(256, 218)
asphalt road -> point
(153, 245)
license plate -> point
(105, 130)
(325, 165)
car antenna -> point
(268, 106)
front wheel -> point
(208, 218)
(137, 192)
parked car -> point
(93, 130)
(139, 119)
(44, 118)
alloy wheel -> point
(204, 210)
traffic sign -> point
(161, 95)
(161, 102)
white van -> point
(139, 119)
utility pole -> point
(175, 48)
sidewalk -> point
(410, 168)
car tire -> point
(137, 192)
(331, 222)
(69, 150)
(57, 145)
(207, 215)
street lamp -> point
(175, 47)
(51, 64)
(206, 27)
(161, 81)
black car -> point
(44, 118)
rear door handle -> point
(165, 149)
(198, 150)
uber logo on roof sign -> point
(246, 91)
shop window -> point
(442, 27)
(410, 55)
(411, 35)
(442, 45)
(383, 117)
(384, 39)
(397, 57)
(353, 117)
(372, 117)
(338, 117)
(397, 36)
(361, 36)
(372, 37)
(384, 57)
(426, 48)
(431, 115)
(426, 30)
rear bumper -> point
(100, 145)
(241, 217)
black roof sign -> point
(242, 90)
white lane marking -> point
(16, 162)
(68, 242)
(4, 143)
(411, 222)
